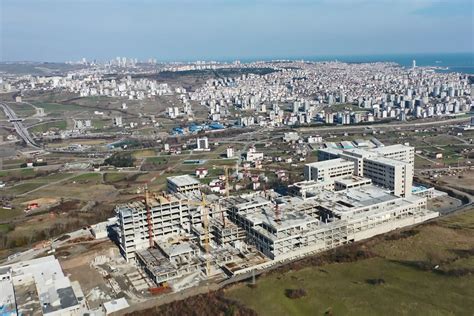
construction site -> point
(183, 237)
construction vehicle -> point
(162, 289)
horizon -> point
(186, 30)
(249, 59)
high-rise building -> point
(202, 143)
(230, 152)
(118, 121)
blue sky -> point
(59, 30)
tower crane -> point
(205, 223)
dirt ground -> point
(464, 179)
(443, 204)
(44, 201)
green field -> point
(59, 107)
(22, 109)
(112, 177)
(88, 177)
(52, 177)
(5, 228)
(408, 289)
(22, 188)
(99, 124)
(158, 160)
(8, 215)
(18, 172)
(61, 125)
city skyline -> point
(213, 29)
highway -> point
(19, 127)
(410, 124)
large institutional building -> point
(349, 195)
(389, 166)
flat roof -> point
(43, 276)
(388, 161)
(391, 148)
(362, 153)
(329, 163)
(331, 150)
(345, 202)
(353, 180)
(183, 180)
(175, 249)
(115, 305)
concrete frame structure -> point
(336, 208)
(326, 220)
(171, 214)
(183, 184)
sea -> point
(446, 62)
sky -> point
(62, 30)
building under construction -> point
(175, 234)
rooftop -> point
(183, 180)
(329, 163)
(41, 283)
(388, 161)
(391, 148)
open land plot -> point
(443, 204)
(463, 180)
(61, 109)
(22, 109)
(399, 279)
(60, 218)
(22, 188)
(23, 172)
(6, 215)
(85, 189)
(41, 128)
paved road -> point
(411, 124)
(19, 127)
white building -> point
(118, 121)
(230, 152)
(326, 170)
(202, 143)
(393, 174)
(39, 287)
(389, 166)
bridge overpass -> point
(18, 124)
